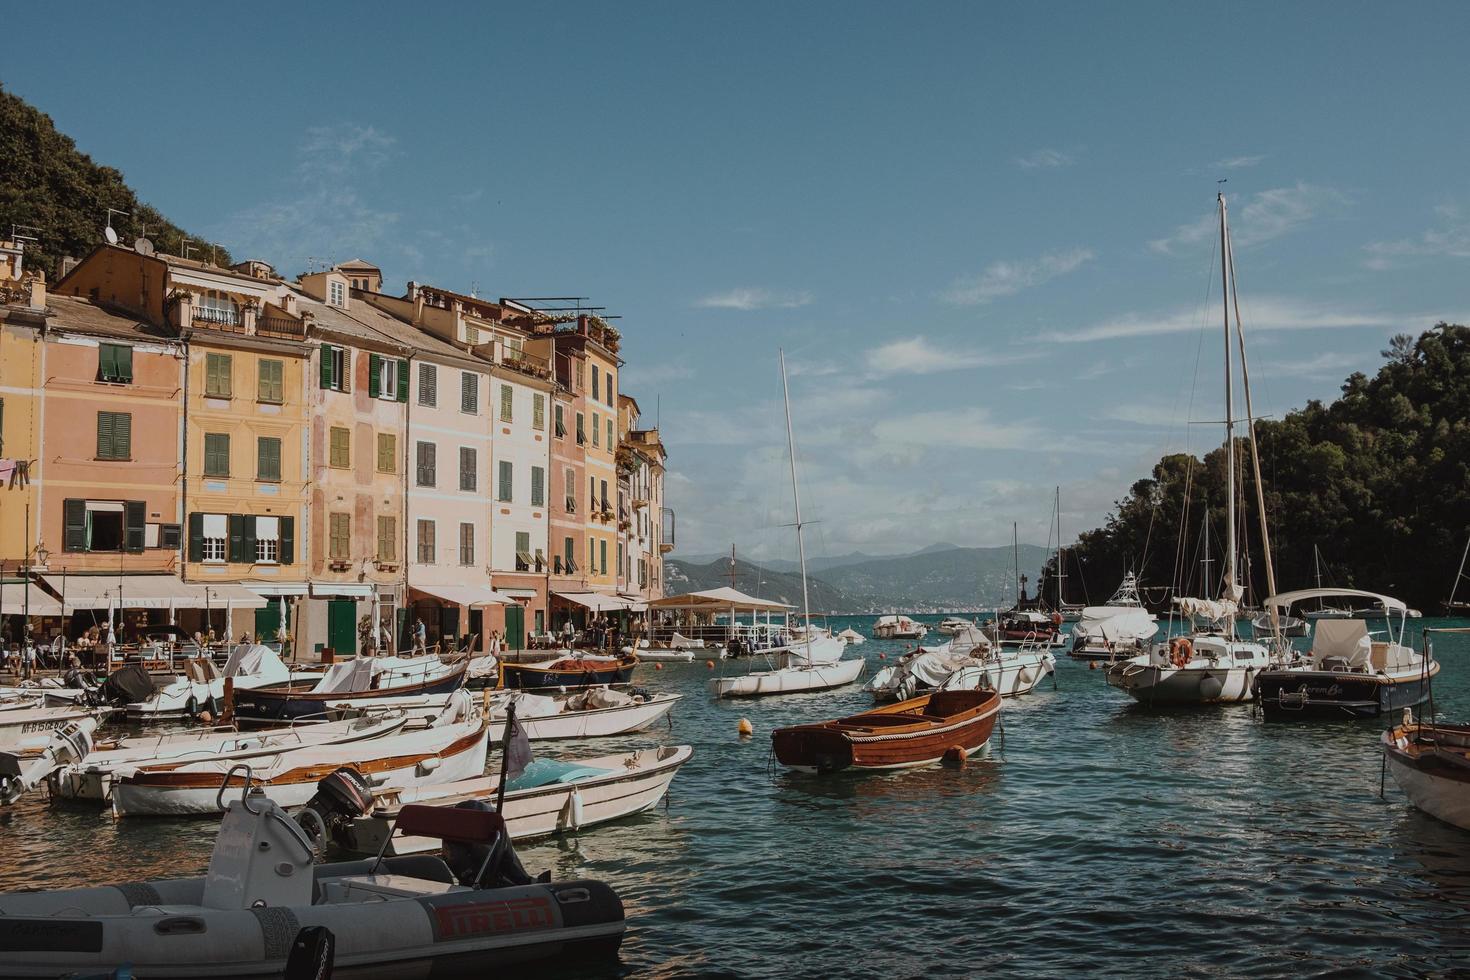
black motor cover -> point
(128, 685)
(341, 797)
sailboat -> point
(813, 660)
(1325, 611)
(1024, 624)
(1211, 664)
(1461, 607)
(1071, 611)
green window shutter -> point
(538, 411)
(268, 458)
(507, 480)
(326, 366)
(122, 435)
(196, 537)
(135, 520)
(2, 425)
(288, 541)
(106, 362)
(403, 381)
(123, 358)
(602, 557)
(610, 442)
(216, 454)
(247, 540)
(507, 403)
(538, 487)
(237, 537)
(74, 519)
(374, 389)
(104, 436)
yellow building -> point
(22, 314)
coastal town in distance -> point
(611, 491)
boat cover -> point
(600, 697)
(1215, 610)
(535, 706)
(348, 677)
(547, 772)
(256, 660)
(1345, 638)
(1125, 626)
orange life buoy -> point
(1181, 651)
(1056, 619)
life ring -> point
(1181, 651)
(1056, 619)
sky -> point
(983, 234)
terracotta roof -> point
(85, 316)
(365, 321)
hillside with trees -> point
(48, 184)
(1378, 480)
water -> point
(1095, 837)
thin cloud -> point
(1265, 314)
(747, 299)
(916, 355)
(1263, 217)
(1451, 240)
(1237, 163)
(1006, 278)
(1045, 159)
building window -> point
(561, 422)
(426, 542)
(611, 443)
(523, 551)
(538, 411)
(602, 557)
(596, 427)
(538, 486)
(216, 454)
(507, 477)
(272, 381)
(336, 295)
(619, 565)
(428, 385)
(468, 463)
(217, 381)
(571, 490)
(216, 545)
(611, 401)
(267, 540)
(591, 494)
(569, 554)
(507, 402)
(471, 334)
(339, 544)
(387, 452)
(217, 309)
(104, 525)
(466, 544)
(340, 456)
(268, 459)
(581, 429)
(427, 453)
(114, 363)
(603, 501)
(469, 393)
(384, 376)
(595, 387)
(336, 368)
(114, 435)
(387, 539)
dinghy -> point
(852, 637)
(25, 729)
(660, 654)
(550, 797)
(916, 732)
(581, 670)
(362, 682)
(1431, 764)
(477, 914)
(590, 713)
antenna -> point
(16, 236)
(107, 232)
(185, 247)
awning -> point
(1286, 599)
(344, 590)
(595, 601)
(14, 600)
(230, 595)
(518, 593)
(718, 599)
(635, 603)
(273, 589)
(127, 591)
(466, 595)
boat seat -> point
(425, 867)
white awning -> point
(128, 591)
(1287, 599)
(275, 589)
(344, 590)
(719, 599)
(518, 593)
(230, 595)
(14, 600)
(596, 601)
(466, 595)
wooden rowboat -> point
(916, 732)
(1431, 763)
(569, 672)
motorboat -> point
(202, 685)
(90, 778)
(852, 637)
(655, 656)
(787, 680)
(958, 666)
(577, 670)
(362, 682)
(1431, 764)
(452, 750)
(898, 627)
(950, 625)
(916, 732)
(26, 728)
(1349, 673)
(476, 913)
(757, 639)
(549, 797)
(590, 712)
(1117, 629)
(1025, 626)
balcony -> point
(527, 364)
(280, 328)
(210, 318)
(666, 542)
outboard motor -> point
(68, 745)
(341, 797)
(465, 860)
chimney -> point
(68, 263)
(38, 292)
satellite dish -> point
(110, 235)
(142, 246)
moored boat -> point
(593, 712)
(1431, 764)
(365, 682)
(787, 679)
(581, 670)
(898, 627)
(916, 732)
(25, 729)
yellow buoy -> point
(745, 728)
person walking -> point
(420, 636)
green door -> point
(267, 621)
(515, 627)
(342, 626)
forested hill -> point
(1379, 480)
(50, 185)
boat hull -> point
(1439, 787)
(848, 744)
(274, 705)
(1287, 695)
(787, 680)
(591, 723)
(525, 676)
(1169, 686)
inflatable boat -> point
(473, 912)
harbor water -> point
(1095, 837)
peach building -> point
(22, 317)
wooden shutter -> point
(538, 411)
(123, 363)
(247, 543)
(74, 519)
(288, 541)
(268, 458)
(538, 486)
(104, 436)
(135, 521)
(403, 381)
(428, 384)
(374, 388)
(507, 480)
(122, 434)
(326, 366)
(106, 362)
(237, 537)
(196, 537)
(507, 403)
(467, 466)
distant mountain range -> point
(940, 578)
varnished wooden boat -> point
(916, 732)
(1431, 763)
(569, 672)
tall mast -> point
(1229, 591)
(806, 605)
(1061, 573)
(1016, 560)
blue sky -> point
(982, 233)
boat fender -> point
(191, 707)
(744, 728)
(955, 755)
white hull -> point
(665, 656)
(1183, 685)
(1441, 798)
(591, 723)
(542, 811)
(786, 680)
(27, 730)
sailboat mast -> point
(1230, 587)
(806, 605)
(1016, 560)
